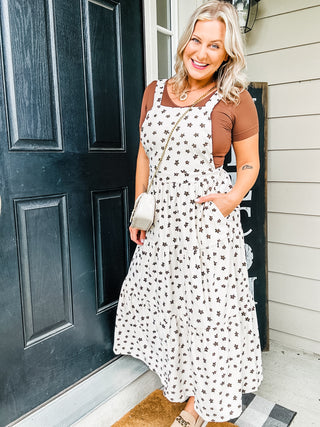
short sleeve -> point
(147, 101)
(246, 122)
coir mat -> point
(156, 411)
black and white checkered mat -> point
(260, 412)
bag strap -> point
(172, 130)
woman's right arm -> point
(142, 171)
(142, 176)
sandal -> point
(185, 419)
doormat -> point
(157, 411)
(260, 412)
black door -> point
(72, 82)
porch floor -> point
(291, 379)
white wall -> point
(284, 50)
(186, 8)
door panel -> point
(111, 244)
(72, 83)
(103, 50)
(42, 235)
(29, 55)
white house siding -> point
(283, 49)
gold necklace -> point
(186, 92)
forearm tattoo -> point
(247, 167)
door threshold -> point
(81, 399)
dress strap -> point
(158, 92)
(213, 101)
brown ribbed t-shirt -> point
(230, 122)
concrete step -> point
(108, 393)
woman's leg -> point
(190, 407)
(192, 418)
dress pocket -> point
(217, 211)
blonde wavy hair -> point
(231, 80)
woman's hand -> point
(137, 236)
(223, 202)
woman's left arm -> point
(248, 164)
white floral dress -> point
(185, 307)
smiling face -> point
(205, 51)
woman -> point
(185, 307)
